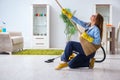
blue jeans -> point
(80, 60)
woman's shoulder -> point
(95, 27)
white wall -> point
(18, 16)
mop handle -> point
(59, 4)
(68, 18)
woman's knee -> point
(71, 66)
(70, 42)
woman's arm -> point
(97, 38)
(95, 34)
(80, 22)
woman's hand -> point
(87, 37)
(67, 13)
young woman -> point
(94, 29)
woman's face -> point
(93, 18)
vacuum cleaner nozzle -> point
(50, 60)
